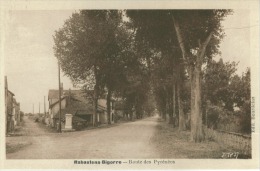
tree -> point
(241, 89)
(137, 87)
(155, 28)
(197, 44)
(217, 79)
(242, 98)
(86, 47)
(225, 91)
(196, 33)
(161, 83)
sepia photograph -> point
(122, 87)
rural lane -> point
(120, 141)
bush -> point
(78, 125)
(214, 115)
(244, 121)
(225, 120)
(117, 117)
(43, 120)
(219, 118)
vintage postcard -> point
(129, 84)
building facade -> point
(12, 110)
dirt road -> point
(128, 140)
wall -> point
(17, 113)
(103, 116)
(235, 140)
(55, 109)
(9, 113)
(102, 102)
(51, 101)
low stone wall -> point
(236, 140)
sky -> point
(31, 67)
(236, 43)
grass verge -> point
(172, 143)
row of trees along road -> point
(146, 57)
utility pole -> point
(59, 99)
(44, 108)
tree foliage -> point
(87, 47)
(217, 77)
(157, 53)
(86, 40)
(197, 33)
(227, 96)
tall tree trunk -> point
(137, 109)
(109, 105)
(164, 111)
(95, 100)
(181, 118)
(197, 134)
(170, 106)
(176, 106)
(95, 104)
(182, 123)
(165, 104)
(173, 93)
(173, 102)
(174, 98)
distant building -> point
(12, 110)
(16, 112)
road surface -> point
(123, 141)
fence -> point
(236, 140)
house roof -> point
(77, 94)
(53, 104)
(11, 93)
(77, 104)
(76, 107)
